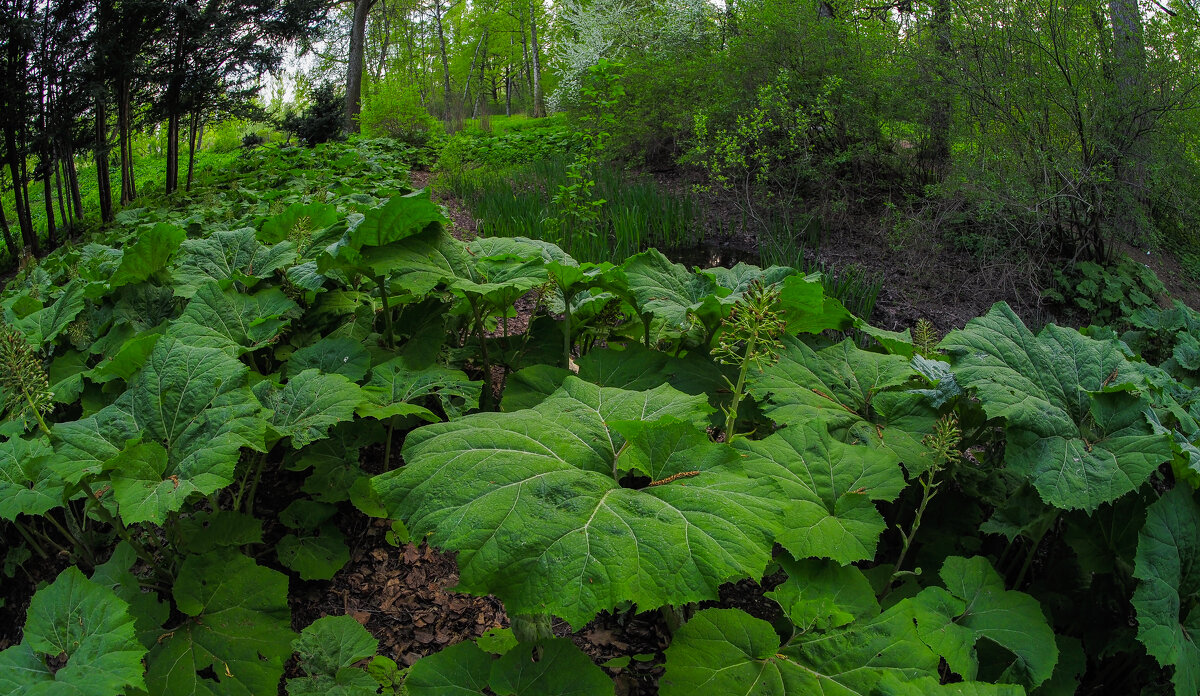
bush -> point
(322, 120)
(395, 111)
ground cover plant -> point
(990, 512)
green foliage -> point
(393, 110)
(323, 119)
(661, 431)
(1107, 294)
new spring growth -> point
(26, 386)
(750, 335)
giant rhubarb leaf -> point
(1076, 427)
(226, 256)
(249, 321)
(27, 485)
(328, 649)
(529, 501)
(1167, 599)
(76, 619)
(191, 409)
(976, 605)
(463, 669)
(859, 395)
(235, 634)
(309, 404)
(829, 490)
(725, 651)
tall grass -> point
(519, 202)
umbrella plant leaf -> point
(333, 356)
(309, 404)
(235, 634)
(90, 626)
(560, 669)
(27, 485)
(297, 222)
(396, 388)
(249, 321)
(477, 483)
(400, 217)
(859, 395)
(1167, 599)
(149, 255)
(726, 651)
(191, 401)
(974, 605)
(44, 325)
(830, 490)
(462, 669)
(1076, 428)
(225, 256)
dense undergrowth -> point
(989, 512)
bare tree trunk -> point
(354, 70)
(387, 39)
(937, 149)
(193, 139)
(1126, 147)
(103, 185)
(125, 141)
(9, 242)
(437, 15)
(471, 71)
(539, 108)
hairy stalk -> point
(944, 442)
(118, 525)
(749, 335)
(387, 447)
(389, 339)
(37, 548)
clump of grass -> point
(519, 202)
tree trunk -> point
(539, 108)
(125, 141)
(100, 154)
(1126, 148)
(192, 143)
(937, 148)
(172, 182)
(354, 69)
(387, 40)
(48, 198)
(13, 250)
(437, 15)
(20, 200)
(73, 178)
(471, 71)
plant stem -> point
(387, 447)
(29, 539)
(116, 524)
(258, 470)
(237, 499)
(387, 312)
(731, 414)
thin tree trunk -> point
(100, 154)
(437, 15)
(73, 179)
(937, 149)
(192, 144)
(125, 138)
(58, 189)
(13, 251)
(474, 58)
(539, 108)
(387, 39)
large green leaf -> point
(328, 649)
(298, 221)
(667, 291)
(859, 395)
(1167, 599)
(149, 255)
(189, 402)
(334, 356)
(529, 501)
(829, 490)
(27, 485)
(725, 651)
(395, 388)
(226, 256)
(249, 321)
(1076, 428)
(235, 634)
(974, 605)
(84, 622)
(400, 217)
(551, 668)
(44, 325)
(822, 595)
(309, 404)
